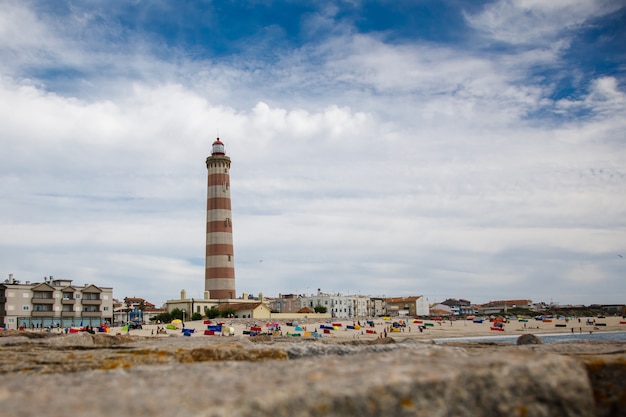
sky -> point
(450, 149)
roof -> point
(403, 299)
(509, 303)
(133, 299)
(239, 306)
(306, 310)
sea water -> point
(546, 338)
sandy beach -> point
(431, 329)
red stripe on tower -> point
(219, 277)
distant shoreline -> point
(601, 336)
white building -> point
(407, 306)
(337, 305)
(363, 306)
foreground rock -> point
(529, 339)
(235, 377)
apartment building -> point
(286, 303)
(460, 307)
(339, 306)
(407, 306)
(52, 303)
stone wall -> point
(234, 376)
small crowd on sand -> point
(381, 328)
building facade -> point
(219, 278)
(379, 306)
(408, 306)
(460, 307)
(363, 306)
(53, 303)
(286, 303)
(339, 306)
(502, 306)
(134, 309)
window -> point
(25, 308)
(106, 308)
(91, 296)
(42, 295)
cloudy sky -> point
(467, 149)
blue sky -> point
(444, 148)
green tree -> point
(227, 312)
(196, 316)
(320, 309)
(162, 317)
(212, 312)
(176, 313)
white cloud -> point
(386, 169)
(537, 21)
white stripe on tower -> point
(219, 278)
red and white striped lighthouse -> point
(219, 278)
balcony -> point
(91, 314)
(42, 313)
(86, 302)
(68, 314)
(68, 301)
(36, 300)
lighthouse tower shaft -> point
(219, 278)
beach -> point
(430, 329)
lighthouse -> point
(219, 277)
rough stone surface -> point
(98, 375)
(607, 374)
(529, 339)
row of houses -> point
(60, 303)
(454, 307)
(302, 306)
(351, 306)
(355, 306)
